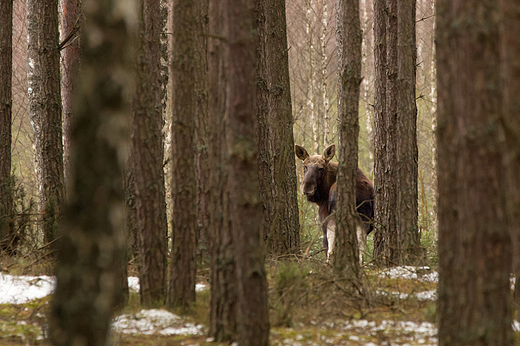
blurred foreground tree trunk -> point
(245, 206)
(6, 103)
(346, 254)
(45, 110)
(223, 317)
(510, 64)
(184, 238)
(90, 270)
(148, 157)
(277, 171)
(474, 242)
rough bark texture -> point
(275, 136)
(184, 238)
(45, 109)
(222, 321)
(89, 269)
(380, 146)
(245, 206)
(148, 157)
(407, 152)
(71, 18)
(6, 102)
(202, 127)
(474, 244)
(386, 244)
(510, 63)
(346, 257)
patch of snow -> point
(155, 321)
(410, 273)
(426, 332)
(426, 295)
(23, 289)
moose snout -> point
(309, 190)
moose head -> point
(319, 173)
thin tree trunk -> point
(91, 248)
(71, 21)
(346, 255)
(6, 103)
(148, 157)
(184, 238)
(244, 201)
(474, 243)
(407, 169)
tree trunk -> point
(244, 201)
(386, 246)
(510, 63)
(45, 110)
(202, 128)
(89, 268)
(474, 243)
(346, 255)
(71, 21)
(184, 237)
(222, 321)
(148, 157)
(407, 155)
(274, 112)
(6, 103)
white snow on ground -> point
(422, 333)
(155, 322)
(22, 289)
(410, 273)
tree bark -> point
(71, 21)
(510, 64)
(244, 201)
(346, 255)
(148, 157)
(474, 243)
(275, 136)
(407, 152)
(45, 110)
(6, 103)
(184, 238)
(223, 320)
(89, 268)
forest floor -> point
(307, 306)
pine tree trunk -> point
(244, 201)
(407, 169)
(90, 267)
(148, 157)
(474, 243)
(45, 110)
(6, 103)
(346, 255)
(274, 112)
(184, 238)
(223, 320)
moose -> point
(319, 186)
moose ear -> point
(300, 152)
(328, 154)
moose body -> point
(319, 186)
